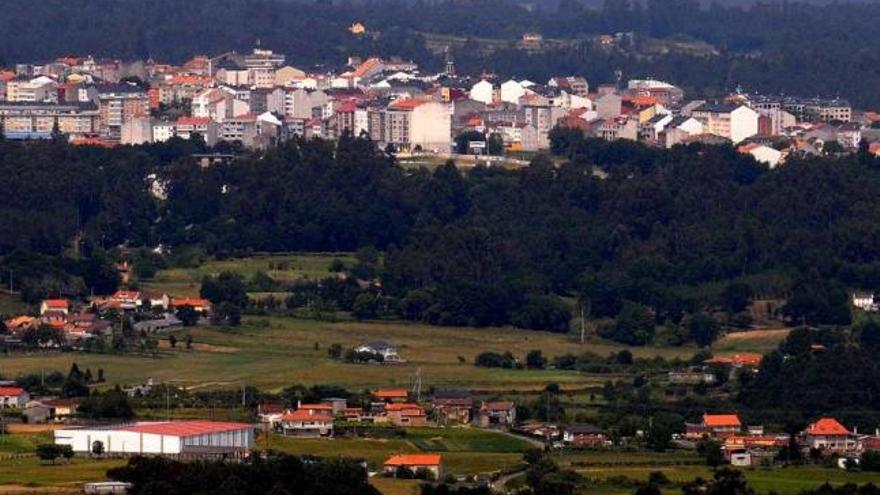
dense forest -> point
(791, 47)
(667, 235)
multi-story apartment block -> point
(26, 118)
(119, 103)
(41, 89)
(734, 122)
(418, 123)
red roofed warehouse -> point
(192, 438)
(415, 462)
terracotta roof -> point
(404, 408)
(192, 302)
(414, 460)
(305, 415)
(57, 303)
(407, 103)
(186, 428)
(11, 391)
(393, 393)
(193, 121)
(827, 426)
(498, 406)
(721, 420)
(315, 407)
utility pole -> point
(243, 401)
(583, 324)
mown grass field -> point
(465, 451)
(275, 352)
(789, 480)
(282, 267)
(31, 472)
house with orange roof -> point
(200, 305)
(19, 323)
(127, 299)
(414, 463)
(874, 149)
(715, 426)
(310, 423)
(391, 395)
(406, 414)
(62, 305)
(15, 397)
(830, 436)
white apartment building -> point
(734, 122)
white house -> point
(16, 397)
(483, 92)
(512, 91)
(864, 301)
(386, 350)
(307, 423)
(763, 153)
(161, 438)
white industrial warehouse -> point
(173, 438)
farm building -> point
(175, 438)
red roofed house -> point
(406, 414)
(47, 305)
(414, 463)
(200, 305)
(391, 395)
(715, 425)
(203, 126)
(829, 436)
(127, 299)
(307, 423)
(13, 397)
(874, 149)
(177, 438)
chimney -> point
(299, 404)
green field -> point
(790, 480)
(31, 472)
(283, 268)
(274, 352)
(465, 450)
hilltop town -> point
(259, 99)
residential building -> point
(37, 90)
(715, 426)
(585, 435)
(733, 122)
(72, 119)
(483, 91)
(307, 423)
(388, 351)
(830, 437)
(50, 305)
(406, 414)
(15, 397)
(412, 124)
(414, 463)
(500, 414)
(119, 103)
(450, 407)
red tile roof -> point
(192, 302)
(186, 428)
(193, 121)
(306, 415)
(414, 460)
(57, 303)
(394, 393)
(721, 420)
(408, 103)
(827, 426)
(11, 391)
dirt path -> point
(779, 333)
(198, 347)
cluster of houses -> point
(706, 373)
(149, 312)
(259, 99)
(746, 445)
(392, 407)
(36, 409)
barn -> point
(172, 438)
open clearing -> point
(281, 267)
(275, 352)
